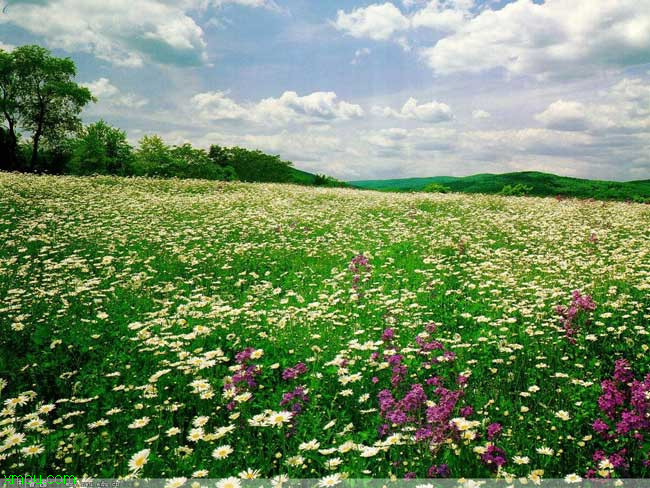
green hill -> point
(542, 184)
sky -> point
(363, 90)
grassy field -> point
(543, 184)
(154, 328)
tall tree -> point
(8, 111)
(101, 148)
(48, 100)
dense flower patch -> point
(186, 329)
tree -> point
(8, 111)
(48, 101)
(196, 163)
(436, 188)
(101, 149)
(154, 157)
(220, 155)
(258, 166)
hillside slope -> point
(543, 184)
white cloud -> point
(443, 16)
(217, 106)
(501, 143)
(377, 21)
(563, 115)
(565, 37)
(381, 22)
(624, 108)
(479, 114)
(288, 108)
(426, 112)
(317, 105)
(101, 88)
(110, 96)
(122, 32)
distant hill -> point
(543, 184)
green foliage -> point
(220, 155)
(101, 149)
(436, 188)
(328, 181)
(42, 97)
(196, 163)
(543, 185)
(518, 190)
(258, 166)
(155, 158)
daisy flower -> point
(563, 415)
(139, 423)
(32, 450)
(331, 480)
(222, 452)
(572, 478)
(229, 483)
(277, 419)
(312, 445)
(249, 474)
(175, 482)
(139, 459)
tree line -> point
(41, 131)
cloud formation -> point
(287, 109)
(378, 22)
(554, 38)
(426, 112)
(110, 96)
(123, 32)
(624, 108)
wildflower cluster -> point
(576, 314)
(239, 386)
(361, 270)
(625, 425)
(409, 407)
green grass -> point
(543, 184)
(126, 300)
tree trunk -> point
(37, 137)
(13, 146)
(10, 151)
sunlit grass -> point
(125, 303)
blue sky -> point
(362, 89)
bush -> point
(518, 190)
(436, 188)
(155, 158)
(258, 166)
(324, 180)
(196, 163)
(101, 149)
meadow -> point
(188, 329)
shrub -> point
(518, 190)
(101, 149)
(436, 188)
